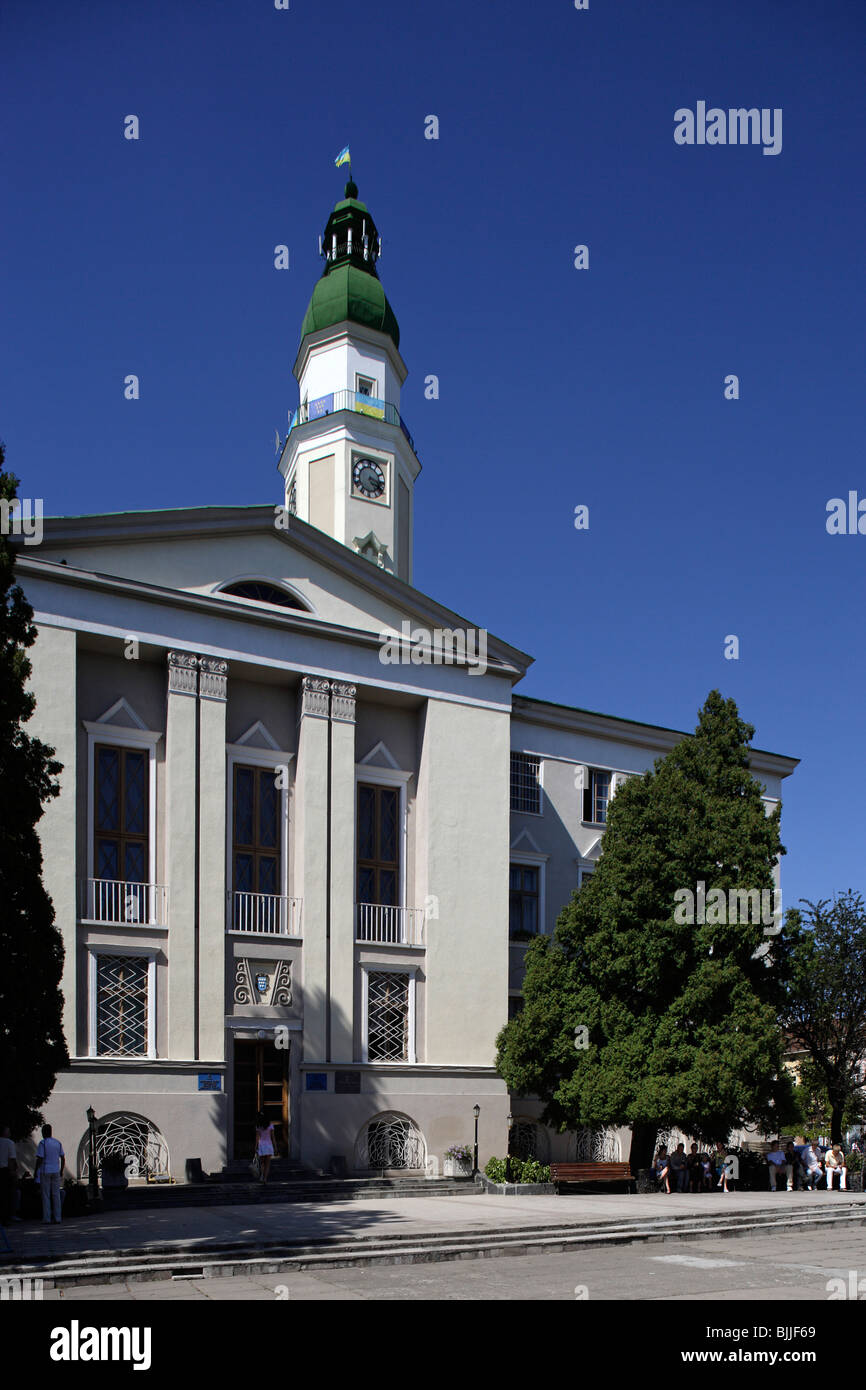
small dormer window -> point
(263, 592)
(365, 386)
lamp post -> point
(93, 1181)
(508, 1149)
(476, 1111)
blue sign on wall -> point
(210, 1081)
(317, 1081)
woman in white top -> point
(264, 1144)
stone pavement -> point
(200, 1228)
(779, 1268)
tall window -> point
(121, 1006)
(378, 845)
(121, 817)
(256, 831)
(523, 900)
(525, 786)
(387, 1016)
(596, 797)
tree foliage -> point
(825, 1006)
(681, 1017)
(32, 1047)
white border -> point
(279, 760)
(119, 736)
(533, 861)
(384, 777)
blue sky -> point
(557, 386)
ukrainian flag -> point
(343, 158)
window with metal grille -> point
(525, 786)
(596, 797)
(523, 900)
(378, 845)
(256, 830)
(387, 1016)
(121, 850)
(121, 1006)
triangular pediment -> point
(257, 736)
(121, 715)
(526, 842)
(380, 756)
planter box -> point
(457, 1167)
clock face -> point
(368, 477)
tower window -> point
(262, 591)
(365, 386)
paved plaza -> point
(781, 1267)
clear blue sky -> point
(558, 386)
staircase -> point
(288, 1182)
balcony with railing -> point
(264, 914)
(114, 903)
(389, 926)
(356, 401)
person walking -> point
(264, 1144)
(8, 1171)
(834, 1162)
(50, 1162)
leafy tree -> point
(825, 1006)
(32, 1047)
(681, 1017)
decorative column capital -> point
(182, 673)
(314, 697)
(343, 702)
(189, 674)
(213, 681)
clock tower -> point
(349, 461)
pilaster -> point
(342, 879)
(311, 856)
(180, 843)
(212, 690)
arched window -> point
(597, 1146)
(263, 592)
(390, 1140)
(529, 1140)
(134, 1137)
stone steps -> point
(185, 1261)
(299, 1188)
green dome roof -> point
(345, 292)
(349, 288)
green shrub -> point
(495, 1169)
(519, 1170)
(533, 1171)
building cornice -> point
(566, 718)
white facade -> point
(281, 864)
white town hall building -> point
(306, 826)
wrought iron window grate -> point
(121, 1005)
(525, 786)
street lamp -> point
(476, 1111)
(93, 1182)
(508, 1149)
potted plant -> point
(458, 1161)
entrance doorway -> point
(261, 1082)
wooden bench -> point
(563, 1173)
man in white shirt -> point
(50, 1160)
(777, 1160)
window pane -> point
(107, 859)
(243, 873)
(366, 885)
(388, 837)
(530, 914)
(107, 789)
(135, 793)
(366, 822)
(268, 875)
(387, 888)
(134, 863)
(121, 1005)
(243, 806)
(268, 809)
